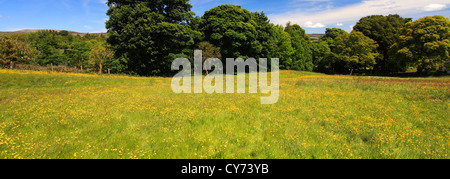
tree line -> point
(88, 52)
(144, 37)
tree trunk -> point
(101, 68)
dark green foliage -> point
(324, 53)
(47, 47)
(149, 34)
(144, 37)
(77, 53)
(264, 31)
(171, 11)
(279, 45)
(276, 43)
(51, 46)
(320, 50)
(352, 52)
(240, 33)
(301, 43)
(385, 30)
(356, 51)
(234, 30)
(424, 43)
(330, 35)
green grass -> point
(59, 115)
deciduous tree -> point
(233, 29)
(16, 51)
(385, 30)
(149, 33)
(424, 43)
(330, 35)
(301, 43)
(356, 51)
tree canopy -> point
(356, 51)
(148, 34)
(233, 29)
(144, 37)
(385, 30)
(15, 51)
(330, 35)
(301, 43)
(424, 43)
(279, 45)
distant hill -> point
(315, 37)
(26, 31)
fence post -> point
(52, 66)
(109, 72)
(11, 65)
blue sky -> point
(313, 15)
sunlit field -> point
(62, 115)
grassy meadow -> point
(64, 115)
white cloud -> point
(353, 12)
(310, 24)
(435, 7)
(339, 24)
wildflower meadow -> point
(72, 116)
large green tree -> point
(263, 33)
(51, 46)
(356, 52)
(13, 50)
(324, 52)
(424, 43)
(302, 58)
(330, 35)
(149, 34)
(385, 30)
(77, 53)
(99, 55)
(233, 30)
(320, 51)
(279, 45)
